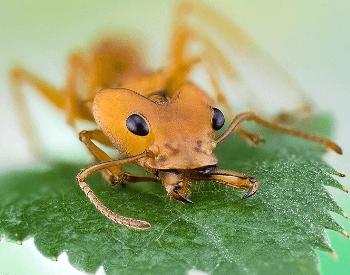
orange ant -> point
(157, 120)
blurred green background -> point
(309, 38)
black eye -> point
(218, 119)
(137, 125)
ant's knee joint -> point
(83, 135)
(16, 74)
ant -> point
(157, 120)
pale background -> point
(311, 39)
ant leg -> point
(220, 98)
(251, 116)
(75, 106)
(81, 178)
(305, 111)
(232, 179)
(18, 76)
(114, 174)
(184, 33)
(180, 69)
(111, 175)
(189, 21)
(59, 98)
(177, 75)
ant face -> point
(178, 133)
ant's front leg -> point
(115, 174)
(230, 178)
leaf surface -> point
(274, 232)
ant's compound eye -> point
(137, 125)
(218, 119)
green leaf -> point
(274, 232)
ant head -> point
(178, 133)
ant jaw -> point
(182, 198)
(180, 191)
(206, 170)
(177, 183)
(177, 187)
(228, 178)
(185, 199)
